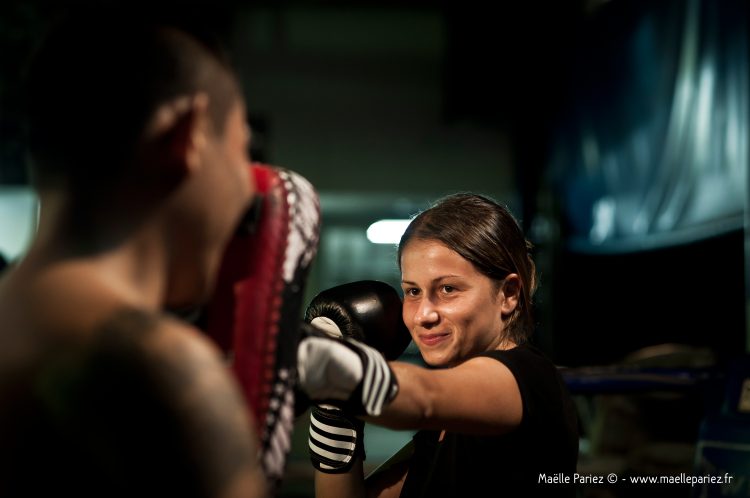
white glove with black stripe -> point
(346, 373)
(354, 376)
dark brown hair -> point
(95, 83)
(487, 235)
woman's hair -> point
(487, 235)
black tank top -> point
(546, 442)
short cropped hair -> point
(95, 83)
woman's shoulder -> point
(523, 356)
(538, 378)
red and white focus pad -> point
(254, 315)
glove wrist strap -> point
(336, 440)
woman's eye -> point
(411, 292)
(448, 289)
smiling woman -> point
(486, 236)
(452, 309)
(492, 413)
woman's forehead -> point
(421, 258)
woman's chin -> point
(437, 360)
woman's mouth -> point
(433, 339)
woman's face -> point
(452, 310)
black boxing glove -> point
(367, 315)
(368, 311)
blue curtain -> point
(653, 151)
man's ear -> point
(176, 136)
(511, 294)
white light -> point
(387, 231)
(19, 212)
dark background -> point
(397, 103)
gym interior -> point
(616, 131)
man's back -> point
(101, 398)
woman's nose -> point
(426, 314)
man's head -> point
(134, 122)
(95, 84)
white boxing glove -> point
(345, 371)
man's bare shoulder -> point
(49, 304)
(176, 370)
(137, 387)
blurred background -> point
(616, 131)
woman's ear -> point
(511, 294)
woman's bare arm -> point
(479, 396)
